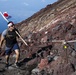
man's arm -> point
(1, 41)
(3, 37)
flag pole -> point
(4, 17)
(15, 31)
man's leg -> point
(17, 51)
(17, 55)
(7, 52)
(17, 58)
(7, 59)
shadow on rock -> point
(2, 70)
(24, 61)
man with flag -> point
(10, 36)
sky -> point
(20, 9)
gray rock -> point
(36, 70)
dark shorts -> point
(8, 50)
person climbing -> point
(11, 44)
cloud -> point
(43, 0)
(25, 3)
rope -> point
(64, 41)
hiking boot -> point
(17, 65)
(6, 65)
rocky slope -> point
(45, 32)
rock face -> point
(46, 17)
(45, 32)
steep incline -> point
(44, 57)
(47, 16)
